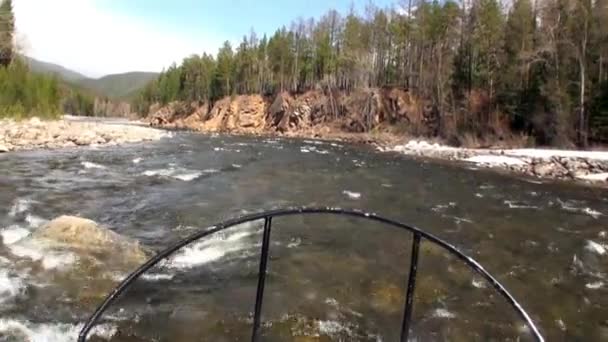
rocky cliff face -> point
(298, 114)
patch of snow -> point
(548, 153)
(594, 177)
(422, 145)
(495, 160)
(352, 195)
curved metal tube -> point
(298, 211)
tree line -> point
(24, 93)
(537, 67)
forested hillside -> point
(534, 68)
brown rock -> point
(85, 236)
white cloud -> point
(84, 36)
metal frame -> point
(268, 216)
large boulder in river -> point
(79, 259)
(87, 237)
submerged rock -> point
(77, 257)
(86, 236)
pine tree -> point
(7, 31)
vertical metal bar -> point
(259, 298)
(411, 286)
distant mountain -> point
(119, 85)
(50, 68)
(113, 86)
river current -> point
(330, 278)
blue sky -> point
(233, 18)
(98, 37)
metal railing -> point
(267, 216)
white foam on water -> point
(351, 194)
(10, 286)
(137, 160)
(186, 177)
(516, 205)
(213, 248)
(595, 285)
(20, 206)
(294, 243)
(331, 328)
(51, 332)
(478, 283)
(595, 247)
(593, 213)
(157, 276)
(443, 313)
(39, 252)
(34, 221)
(236, 166)
(304, 150)
(13, 234)
(442, 207)
(314, 142)
(91, 165)
(478, 195)
(179, 174)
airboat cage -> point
(267, 216)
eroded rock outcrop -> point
(287, 113)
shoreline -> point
(575, 166)
(571, 166)
(34, 134)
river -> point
(330, 278)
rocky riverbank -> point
(378, 116)
(586, 166)
(69, 132)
